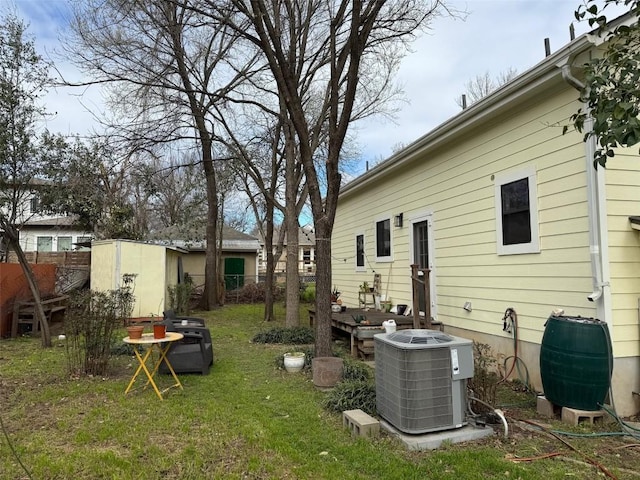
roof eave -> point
(480, 111)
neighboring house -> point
(41, 232)
(154, 267)
(239, 259)
(53, 234)
(507, 212)
(306, 253)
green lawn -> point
(247, 419)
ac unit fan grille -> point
(413, 387)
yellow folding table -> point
(161, 345)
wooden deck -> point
(361, 334)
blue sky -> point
(495, 36)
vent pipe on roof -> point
(464, 101)
(572, 32)
(547, 47)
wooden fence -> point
(67, 259)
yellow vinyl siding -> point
(623, 200)
(148, 263)
(103, 266)
(455, 183)
(154, 267)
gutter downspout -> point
(598, 241)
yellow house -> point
(508, 213)
(155, 268)
(239, 258)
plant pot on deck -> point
(327, 371)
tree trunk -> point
(210, 297)
(45, 332)
(323, 291)
(292, 317)
(268, 247)
(219, 265)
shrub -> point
(253, 293)
(356, 371)
(122, 349)
(485, 381)
(180, 296)
(308, 293)
(352, 395)
(294, 335)
(90, 324)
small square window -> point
(517, 213)
(383, 240)
(64, 244)
(44, 244)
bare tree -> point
(177, 199)
(330, 51)
(256, 142)
(167, 69)
(482, 85)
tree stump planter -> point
(327, 371)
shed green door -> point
(233, 273)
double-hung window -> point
(383, 240)
(517, 212)
(360, 266)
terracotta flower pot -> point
(135, 331)
(159, 330)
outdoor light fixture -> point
(397, 220)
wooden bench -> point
(24, 313)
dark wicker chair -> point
(192, 354)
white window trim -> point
(361, 268)
(388, 258)
(501, 179)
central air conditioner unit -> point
(421, 379)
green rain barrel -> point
(576, 362)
